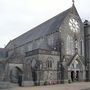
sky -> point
(19, 16)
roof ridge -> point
(44, 28)
(43, 23)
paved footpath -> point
(72, 86)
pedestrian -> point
(20, 80)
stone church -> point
(50, 53)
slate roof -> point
(2, 49)
(50, 26)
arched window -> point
(69, 45)
(82, 48)
(75, 65)
(49, 63)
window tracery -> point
(69, 45)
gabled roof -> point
(75, 57)
(48, 27)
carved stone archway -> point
(76, 69)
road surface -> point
(72, 86)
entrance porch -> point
(76, 70)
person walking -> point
(20, 80)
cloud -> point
(19, 16)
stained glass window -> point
(69, 45)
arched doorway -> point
(75, 75)
(76, 70)
(72, 75)
(34, 71)
(15, 72)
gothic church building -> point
(50, 53)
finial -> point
(73, 2)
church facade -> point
(51, 53)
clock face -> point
(74, 25)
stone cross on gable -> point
(73, 1)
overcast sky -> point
(19, 16)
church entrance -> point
(74, 76)
(76, 70)
(15, 73)
(77, 75)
